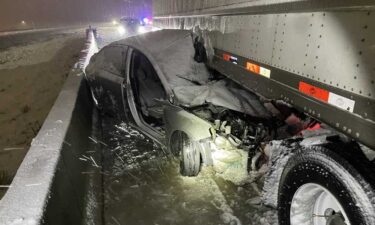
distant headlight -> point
(121, 30)
(141, 29)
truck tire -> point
(188, 153)
(320, 187)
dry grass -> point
(5, 178)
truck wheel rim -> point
(310, 205)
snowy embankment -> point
(33, 69)
(34, 195)
(30, 54)
(6, 33)
(91, 49)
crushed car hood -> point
(223, 93)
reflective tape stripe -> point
(230, 58)
(234, 59)
(252, 67)
(265, 72)
(226, 57)
(326, 96)
(313, 91)
(258, 69)
(308, 89)
(341, 102)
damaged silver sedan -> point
(198, 114)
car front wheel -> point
(188, 153)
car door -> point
(109, 78)
(153, 89)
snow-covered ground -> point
(142, 185)
(33, 68)
(17, 32)
(31, 54)
(109, 34)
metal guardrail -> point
(49, 187)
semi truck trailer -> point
(314, 62)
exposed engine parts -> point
(239, 141)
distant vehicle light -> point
(114, 22)
(121, 30)
(141, 30)
(146, 20)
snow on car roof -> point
(163, 38)
(172, 52)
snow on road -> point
(109, 34)
(142, 185)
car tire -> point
(188, 153)
(318, 179)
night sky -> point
(47, 13)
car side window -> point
(112, 59)
(146, 78)
(147, 88)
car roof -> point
(172, 52)
(155, 42)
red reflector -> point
(313, 91)
(315, 127)
(226, 57)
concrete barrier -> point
(52, 185)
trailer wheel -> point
(320, 187)
(188, 153)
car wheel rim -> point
(312, 204)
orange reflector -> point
(226, 57)
(252, 67)
(313, 91)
